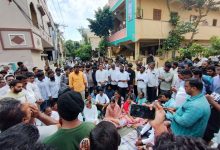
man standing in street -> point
(166, 78)
(101, 76)
(123, 78)
(142, 80)
(153, 82)
(113, 76)
(77, 81)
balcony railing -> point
(118, 35)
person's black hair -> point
(9, 75)
(21, 77)
(112, 100)
(14, 83)
(186, 72)
(104, 137)
(69, 105)
(189, 64)
(168, 64)
(197, 71)
(50, 72)
(88, 66)
(66, 68)
(24, 69)
(142, 93)
(130, 65)
(211, 68)
(175, 63)
(100, 89)
(167, 141)
(195, 83)
(21, 136)
(29, 74)
(57, 69)
(167, 94)
(34, 69)
(19, 63)
(10, 113)
(3, 72)
(40, 74)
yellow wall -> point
(147, 28)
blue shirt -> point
(170, 103)
(192, 117)
(216, 84)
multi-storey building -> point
(140, 26)
(27, 33)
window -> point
(157, 14)
(33, 15)
(193, 18)
(214, 22)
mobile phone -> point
(142, 112)
(216, 96)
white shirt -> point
(102, 99)
(114, 76)
(44, 89)
(152, 76)
(30, 96)
(4, 90)
(101, 76)
(58, 78)
(45, 131)
(35, 89)
(123, 76)
(55, 115)
(142, 76)
(54, 87)
(91, 115)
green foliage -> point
(214, 49)
(185, 53)
(175, 38)
(197, 49)
(70, 46)
(84, 52)
(103, 46)
(174, 18)
(103, 22)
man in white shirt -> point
(16, 91)
(58, 75)
(113, 76)
(4, 90)
(102, 100)
(44, 90)
(153, 82)
(101, 76)
(54, 85)
(90, 112)
(142, 80)
(123, 78)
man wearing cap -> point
(72, 131)
(77, 81)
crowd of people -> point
(83, 105)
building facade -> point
(140, 26)
(27, 33)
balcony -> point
(152, 29)
(112, 3)
(118, 35)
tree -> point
(84, 35)
(202, 7)
(214, 49)
(70, 46)
(103, 22)
(103, 45)
(84, 52)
